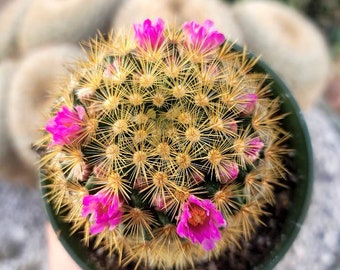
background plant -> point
(168, 142)
(324, 13)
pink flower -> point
(228, 171)
(114, 71)
(200, 222)
(248, 103)
(140, 183)
(66, 125)
(159, 202)
(197, 177)
(231, 125)
(105, 211)
(111, 70)
(202, 37)
(149, 35)
(253, 148)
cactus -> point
(164, 148)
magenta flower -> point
(202, 37)
(149, 35)
(105, 210)
(200, 222)
(228, 171)
(248, 103)
(140, 183)
(66, 125)
(159, 202)
(197, 177)
(253, 148)
(231, 125)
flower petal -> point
(105, 210)
(204, 228)
(66, 125)
(148, 35)
(202, 38)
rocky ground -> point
(316, 247)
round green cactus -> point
(164, 148)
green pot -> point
(301, 193)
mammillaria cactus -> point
(165, 147)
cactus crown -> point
(164, 147)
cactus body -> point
(164, 148)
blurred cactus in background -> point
(164, 148)
(326, 14)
